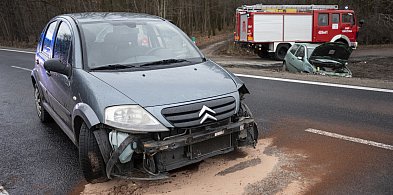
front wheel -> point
(90, 158)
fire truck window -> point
(335, 18)
(347, 18)
(300, 52)
(323, 20)
(294, 48)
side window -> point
(348, 18)
(63, 42)
(294, 48)
(300, 52)
(335, 18)
(46, 46)
(323, 20)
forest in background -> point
(22, 20)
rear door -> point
(290, 58)
(44, 52)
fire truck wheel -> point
(263, 53)
(281, 51)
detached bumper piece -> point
(158, 157)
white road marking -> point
(317, 83)
(352, 139)
(19, 51)
(272, 78)
(21, 68)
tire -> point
(284, 66)
(43, 115)
(262, 54)
(90, 158)
(281, 51)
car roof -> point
(109, 16)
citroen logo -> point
(205, 114)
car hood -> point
(171, 85)
(334, 51)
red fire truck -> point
(271, 29)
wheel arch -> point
(33, 80)
(83, 113)
(341, 38)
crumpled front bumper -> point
(156, 146)
(185, 149)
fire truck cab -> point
(270, 30)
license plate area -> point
(209, 146)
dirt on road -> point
(263, 170)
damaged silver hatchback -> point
(326, 59)
(136, 95)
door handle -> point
(37, 61)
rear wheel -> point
(90, 158)
(41, 112)
(262, 53)
(281, 51)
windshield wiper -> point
(164, 62)
(113, 67)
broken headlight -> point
(132, 118)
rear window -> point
(46, 46)
(323, 19)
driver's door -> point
(62, 49)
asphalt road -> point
(38, 159)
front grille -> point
(188, 115)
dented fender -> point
(86, 113)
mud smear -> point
(240, 166)
(247, 170)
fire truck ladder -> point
(261, 7)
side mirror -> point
(55, 65)
(300, 58)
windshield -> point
(130, 42)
